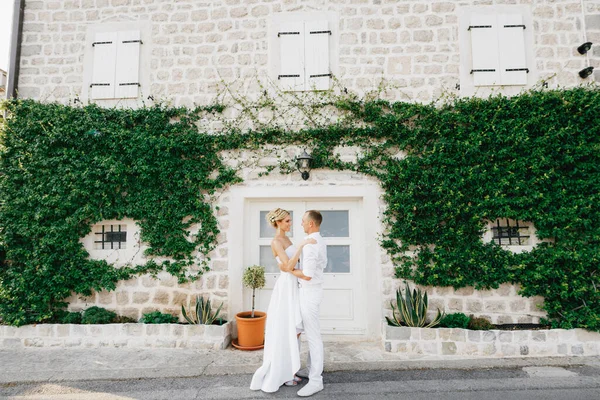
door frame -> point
(367, 193)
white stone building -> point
(129, 52)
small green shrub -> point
(156, 317)
(480, 324)
(121, 319)
(456, 320)
(97, 315)
(71, 318)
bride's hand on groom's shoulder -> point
(308, 241)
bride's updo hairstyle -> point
(275, 215)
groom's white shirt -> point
(314, 260)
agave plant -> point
(202, 312)
(412, 309)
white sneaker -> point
(310, 389)
(303, 373)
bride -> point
(281, 358)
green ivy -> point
(445, 169)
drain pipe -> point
(15, 49)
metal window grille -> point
(111, 237)
(510, 234)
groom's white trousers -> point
(310, 302)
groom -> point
(310, 281)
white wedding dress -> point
(281, 359)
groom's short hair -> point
(315, 216)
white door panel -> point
(342, 309)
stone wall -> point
(449, 343)
(197, 43)
(117, 335)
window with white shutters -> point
(498, 50)
(304, 56)
(291, 45)
(115, 72)
(103, 73)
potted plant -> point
(251, 324)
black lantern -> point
(304, 162)
(584, 73)
(584, 48)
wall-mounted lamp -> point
(584, 48)
(584, 73)
(304, 163)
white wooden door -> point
(343, 307)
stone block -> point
(458, 335)
(577, 349)
(474, 306)
(524, 350)
(585, 335)
(488, 349)
(161, 297)
(488, 336)
(152, 329)
(166, 343)
(562, 349)
(456, 304)
(448, 348)
(194, 331)
(62, 330)
(123, 298)
(397, 333)
(592, 21)
(474, 336)
(509, 349)
(428, 334)
(39, 342)
(388, 346)
(134, 329)
(505, 337)
(73, 342)
(538, 336)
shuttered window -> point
(304, 56)
(498, 50)
(116, 66)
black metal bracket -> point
(518, 69)
(287, 76)
(319, 32)
(133, 41)
(515, 26)
(319, 76)
(478, 27)
(482, 70)
(99, 84)
(95, 43)
(287, 33)
(130, 84)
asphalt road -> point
(573, 383)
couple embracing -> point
(294, 308)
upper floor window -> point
(303, 50)
(115, 72)
(498, 49)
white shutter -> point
(103, 71)
(513, 62)
(128, 65)
(291, 56)
(484, 50)
(318, 74)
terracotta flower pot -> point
(251, 331)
